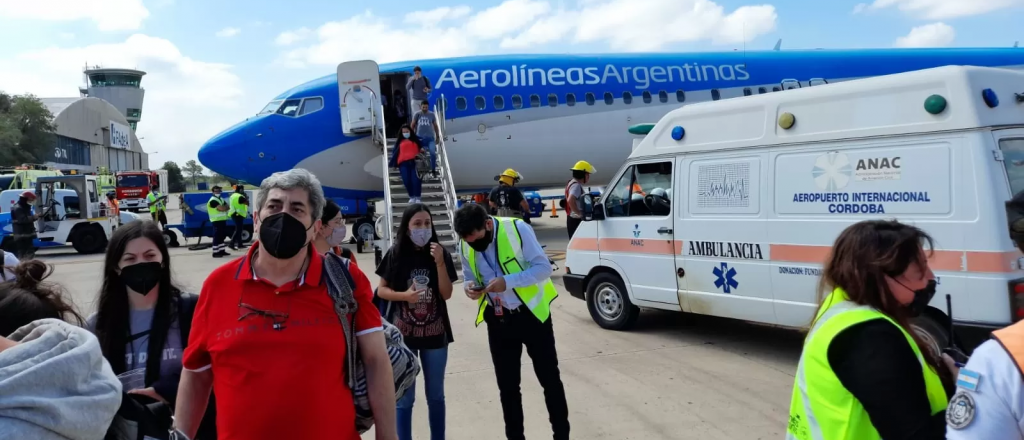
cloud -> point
(435, 16)
(228, 32)
(291, 37)
(929, 35)
(526, 24)
(187, 100)
(109, 15)
(941, 9)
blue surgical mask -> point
(420, 237)
(406, 135)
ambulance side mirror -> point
(591, 210)
(1015, 219)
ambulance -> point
(744, 198)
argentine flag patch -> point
(968, 380)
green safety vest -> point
(237, 208)
(215, 215)
(152, 198)
(822, 409)
(537, 297)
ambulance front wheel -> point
(609, 303)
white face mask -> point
(337, 237)
(406, 135)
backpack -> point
(423, 164)
(403, 362)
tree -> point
(26, 130)
(175, 181)
(193, 169)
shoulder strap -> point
(340, 287)
(186, 310)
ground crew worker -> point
(574, 194)
(239, 211)
(863, 373)
(23, 226)
(506, 200)
(157, 205)
(509, 275)
(218, 210)
(989, 401)
(115, 210)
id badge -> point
(498, 309)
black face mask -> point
(481, 244)
(283, 236)
(921, 299)
(142, 277)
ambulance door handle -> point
(664, 230)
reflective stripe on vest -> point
(1012, 340)
(215, 215)
(537, 297)
(152, 198)
(237, 208)
(821, 407)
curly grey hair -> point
(296, 178)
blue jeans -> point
(431, 146)
(433, 362)
(410, 179)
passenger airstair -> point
(438, 194)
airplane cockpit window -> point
(608, 98)
(715, 95)
(460, 103)
(480, 102)
(289, 107)
(570, 99)
(663, 96)
(647, 97)
(310, 105)
(590, 98)
(271, 107)
(517, 101)
(534, 100)
(499, 102)
(627, 98)
(680, 96)
(552, 100)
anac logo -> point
(636, 230)
(636, 241)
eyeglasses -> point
(277, 319)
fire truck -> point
(133, 188)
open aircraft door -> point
(359, 95)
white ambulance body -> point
(751, 209)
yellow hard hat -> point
(584, 166)
(511, 173)
(509, 176)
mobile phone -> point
(477, 288)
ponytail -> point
(30, 298)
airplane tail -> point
(778, 45)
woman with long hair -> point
(416, 275)
(55, 382)
(403, 157)
(142, 319)
(864, 373)
(332, 233)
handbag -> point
(404, 364)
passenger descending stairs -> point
(438, 194)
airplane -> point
(538, 114)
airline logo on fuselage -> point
(640, 76)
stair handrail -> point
(387, 184)
(447, 183)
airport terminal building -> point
(97, 129)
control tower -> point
(120, 87)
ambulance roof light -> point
(935, 104)
(990, 98)
(641, 129)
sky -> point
(211, 64)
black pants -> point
(24, 248)
(161, 217)
(220, 231)
(236, 238)
(572, 223)
(506, 336)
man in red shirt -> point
(266, 339)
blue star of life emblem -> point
(726, 278)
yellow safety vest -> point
(822, 409)
(215, 215)
(537, 297)
(237, 208)
(151, 198)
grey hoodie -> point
(56, 385)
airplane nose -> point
(225, 153)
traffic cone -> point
(554, 211)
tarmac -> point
(673, 376)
